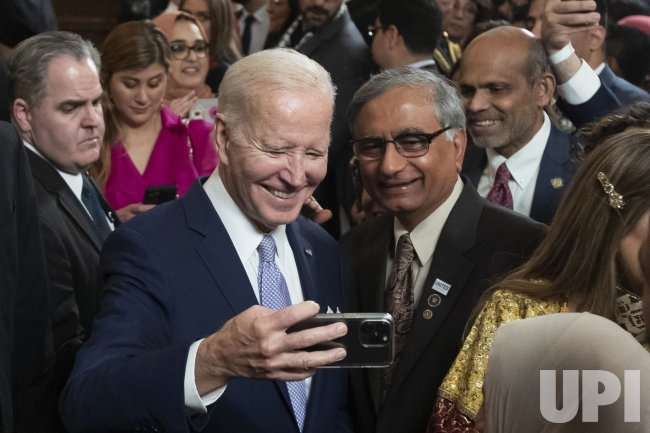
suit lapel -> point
(221, 259)
(217, 250)
(303, 253)
(372, 284)
(51, 181)
(555, 173)
(448, 265)
(474, 163)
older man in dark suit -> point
(429, 259)
(188, 337)
(55, 92)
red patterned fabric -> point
(447, 419)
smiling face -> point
(271, 166)
(190, 72)
(410, 188)
(137, 95)
(67, 125)
(503, 110)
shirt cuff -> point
(193, 401)
(581, 87)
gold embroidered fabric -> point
(463, 385)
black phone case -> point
(363, 349)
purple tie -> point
(274, 294)
(500, 192)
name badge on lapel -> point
(441, 287)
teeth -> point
(485, 122)
(281, 194)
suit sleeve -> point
(129, 376)
(601, 104)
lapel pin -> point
(441, 287)
(308, 251)
(557, 183)
(434, 300)
(427, 314)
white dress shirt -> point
(259, 28)
(524, 167)
(74, 181)
(425, 239)
(582, 86)
(246, 242)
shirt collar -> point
(74, 181)
(524, 162)
(235, 221)
(426, 234)
(422, 63)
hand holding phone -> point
(369, 342)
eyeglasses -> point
(408, 145)
(181, 51)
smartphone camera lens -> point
(374, 333)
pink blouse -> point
(180, 155)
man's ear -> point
(460, 144)
(545, 89)
(22, 115)
(221, 138)
(392, 35)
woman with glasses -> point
(146, 144)
(189, 63)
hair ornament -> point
(615, 199)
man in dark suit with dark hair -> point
(28, 395)
(188, 337)
(429, 259)
(55, 93)
(406, 33)
(325, 33)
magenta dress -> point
(175, 160)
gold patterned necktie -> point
(399, 300)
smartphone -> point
(369, 342)
(159, 194)
(204, 108)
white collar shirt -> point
(246, 241)
(523, 165)
(425, 240)
(259, 28)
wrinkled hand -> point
(255, 344)
(182, 105)
(314, 211)
(128, 212)
(562, 18)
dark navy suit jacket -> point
(556, 170)
(625, 91)
(173, 276)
